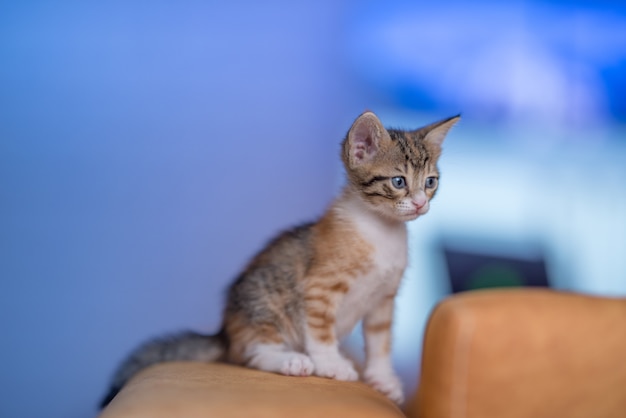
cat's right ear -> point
(435, 133)
(364, 139)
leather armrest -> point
(524, 353)
(198, 390)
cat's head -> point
(394, 171)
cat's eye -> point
(398, 182)
(431, 182)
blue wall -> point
(147, 150)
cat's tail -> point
(184, 346)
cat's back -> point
(292, 246)
(283, 258)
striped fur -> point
(309, 286)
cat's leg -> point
(321, 343)
(261, 346)
(378, 367)
(278, 359)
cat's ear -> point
(435, 133)
(364, 138)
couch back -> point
(524, 353)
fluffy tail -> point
(185, 346)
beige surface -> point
(490, 354)
(524, 353)
(196, 390)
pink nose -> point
(419, 203)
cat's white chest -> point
(389, 260)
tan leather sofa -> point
(501, 354)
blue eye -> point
(398, 182)
(431, 182)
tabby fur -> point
(309, 286)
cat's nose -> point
(419, 201)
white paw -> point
(386, 383)
(297, 365)
(335, 368)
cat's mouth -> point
(410, 216)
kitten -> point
(310, 286)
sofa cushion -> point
(524, 353)
(198, 390)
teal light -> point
(495, 275)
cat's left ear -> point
(364, 139)
(436, 132)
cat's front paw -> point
(387, 383)
(297, 365)
(335, 367)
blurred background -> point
(149, 149)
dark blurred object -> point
(469, 270)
